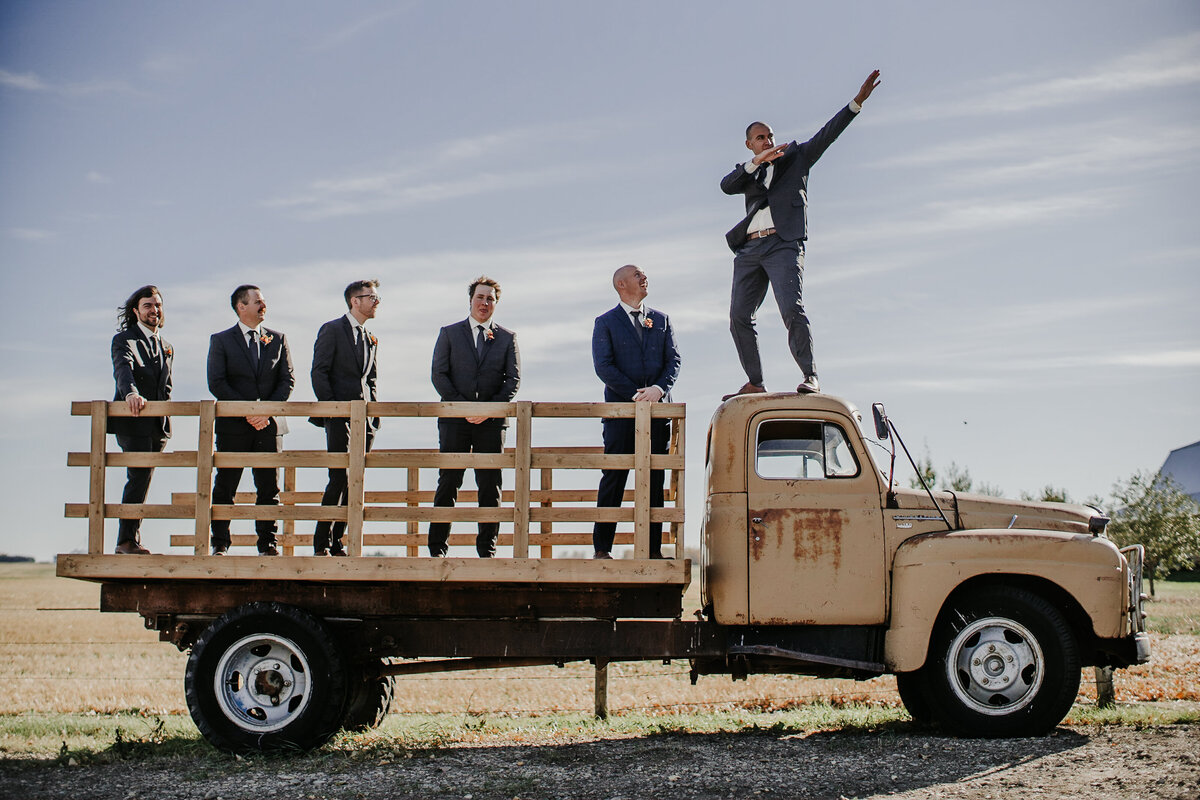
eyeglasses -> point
(374, 298)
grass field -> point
(69, 674)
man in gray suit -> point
(249, 362)
(474, 361)
(343, 368)
(768, 243)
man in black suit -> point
(343, 368)
(474, 361)
(634, 353)
(142, 369)
(768, 243)
(249, 362)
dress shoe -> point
(269, 550)
(337, 551)
(220, 550)
(601, 554)
(320, 551)
(810, 385)
(131, 549)
(747, 388)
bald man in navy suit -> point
(634, 353)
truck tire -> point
(368, 697)
(266, 676)
(1003, 662)
(911, 687)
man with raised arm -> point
(474, 361)
(768, 243)
(141, 361)
(249, 362)
(343, 368)
(634, 353)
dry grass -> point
(56, 660)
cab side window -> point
(803, 450)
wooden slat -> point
(355, 475)
(582, 571)
(416, 540)
(641, 481)
(543, 496)
(289, 525)
(546, 481)
(521, 488)
(432, 409)
(435, 460)
(97, 463)
(610, 461)
(677, 484)
(290, 458)
(178, 458)
(414, 484)
(204, 475)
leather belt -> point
(760, 234)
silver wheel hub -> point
(262, 682)
(995, 666)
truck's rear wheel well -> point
(1077, 618)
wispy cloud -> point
(31, 82)
(29, 234)
(360, 26)
(97, 177)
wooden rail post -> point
(289, 525)
(677, 446)
(204, 475)
(413, 527)
(546, 476)
(97, 460)
(523, 453)
(601, 695)
(354, 475)
(641, 481)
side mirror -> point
(881, 421)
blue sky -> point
(1003, 246)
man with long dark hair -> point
(142, 370)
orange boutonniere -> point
(647, 322)
(487, 334)
(374, 341)
(169, 352)
(266, 338)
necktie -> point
(254, 350)
(362, 344)
(637, 322)
(155, 350)
(479, 340)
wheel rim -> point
(996, 666)
(262, 683)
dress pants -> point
(619, 438)
(137, 481)
(463, 437)
(266, 481)
(759, 262)
(328, 535)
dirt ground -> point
(1115, 762)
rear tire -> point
(368, 697)
(1003, 662)
(266, 676)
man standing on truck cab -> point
(249, 362)
(474, 361)
(142, 369)
(634, 353)
(343, 368)
(768, 243)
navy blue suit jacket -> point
(627, 362)
(134, 367)
(787, 196)
(460, 374)
(231, 375)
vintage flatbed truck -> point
(813, 562)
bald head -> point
(631, 284)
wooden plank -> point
(546, 498)
(204, 474)
(641, 481)
(290, 458)
(435, 460)
(266, 408)
(542, 496)
(411, 540)
(583, 571)
(437, 409)
(677, 484)
(153, 408)
(524, 423)
(177, 458)
(355, 475)
(602, 410)
(289, 525)
(612, 461)
(97, 463)
(414, 485)
(412, 515)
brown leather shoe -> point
(131, 549)
(810, 385)
(747, 388)
(269, 550)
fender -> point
(928, 568)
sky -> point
(1003, 245)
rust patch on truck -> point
(815, 534)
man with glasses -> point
(474, 361)
(343, 368)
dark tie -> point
(155, 351)
(637, 322)
(361, 333)
(254, 350)
(479, 340)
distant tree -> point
(955, 479)
(1152, 510)
(925, 470)
(1048, 494)
(990, 489)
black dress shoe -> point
(338, 552)
(320, 552)
(131, 549)
(220, 550)
(269, 550)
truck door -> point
(816, 545)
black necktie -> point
(637, 322)
(362, 344)
(254, 350)
(156, 351)
(479, 340)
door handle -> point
(757, 520)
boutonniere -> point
(168, 351)
(374, 341)
(647, 322)
(487, 334)
(266, 338)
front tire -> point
(1003, 662)
(266, 676)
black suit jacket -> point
(787, 196)
(232, 376)
(135, 368)
(460, 374)
(338, 371)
